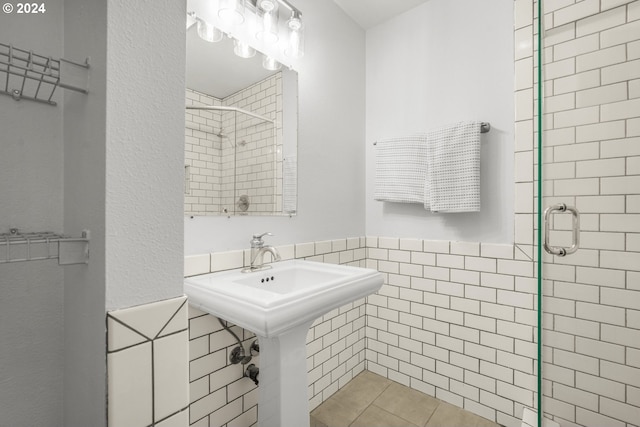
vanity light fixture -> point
(254, 25)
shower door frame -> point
(547, 193)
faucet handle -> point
(257, 241)
(260, 236)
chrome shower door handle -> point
(575, 219)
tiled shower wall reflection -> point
(257, 160)
(228, 154)
(203, 155)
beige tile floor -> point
(370, 400)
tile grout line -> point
(369, 405)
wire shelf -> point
(27, 75)
(17, 247)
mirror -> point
(240, 133)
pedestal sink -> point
(279, 305)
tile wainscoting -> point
(147, 365)
(454, 320)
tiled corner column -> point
(220, 395)
(147, 365)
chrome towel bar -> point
(485, 127)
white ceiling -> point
(369, 13)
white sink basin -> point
(271, 302)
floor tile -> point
(374, 416)
(409, 404)
(370, 400)
(361, 391)
(447, 415)
(314, 422)
(335, 413)
(346, 405)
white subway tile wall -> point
(453, 319)
(591, 113)
(203, 155)
(257, 159)
(230, 154)
(462, 341)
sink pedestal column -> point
(283, 393)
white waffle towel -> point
(452, 181)
(401, 169)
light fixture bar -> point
(289, 6)
(274, 28)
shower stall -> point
(581, 74)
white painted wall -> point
(442, 62)
(31, 294)
(145, 151)
(330, 144)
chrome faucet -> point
(258, 250)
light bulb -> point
(296, 37)
(267, 26)
(295, 23)
(231, 11)
(208, 32)
(243, 50)
(268, 5)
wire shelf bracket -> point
(16, 247)
(27, 75)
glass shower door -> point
(588, 212)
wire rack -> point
(27, 75)
(16, 247)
